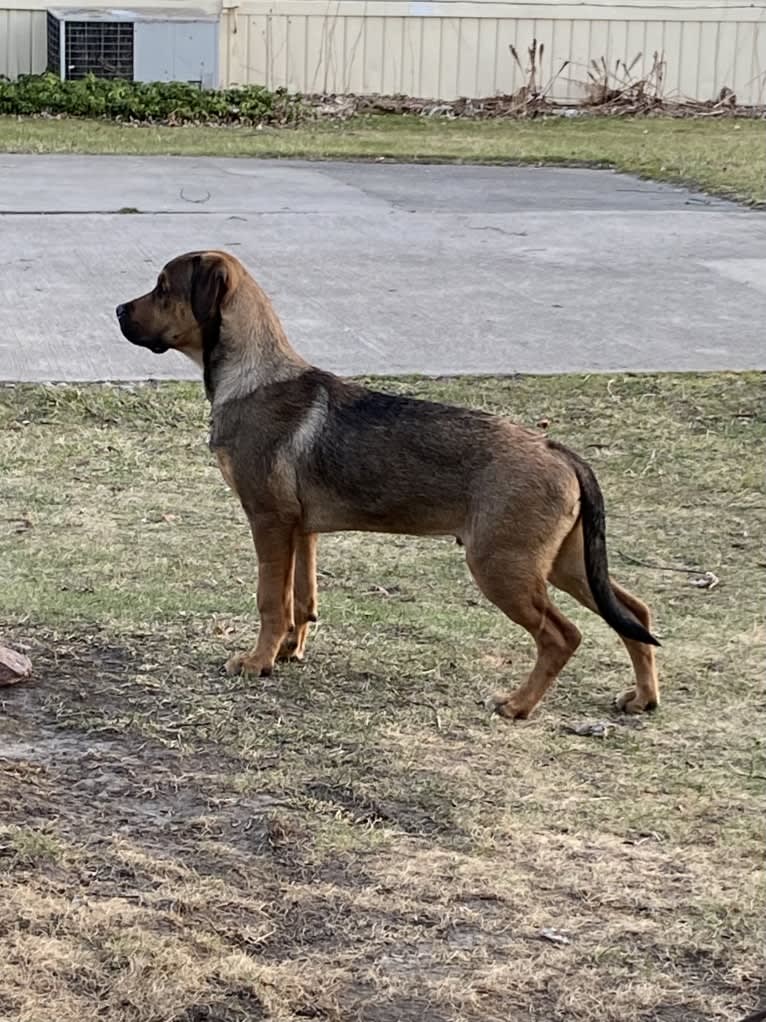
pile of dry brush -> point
(612, 91)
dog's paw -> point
(234, 664)
(293, 646)
(632, 702)
(508, 705)
(289, 650)
(244, 663)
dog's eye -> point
(161, 288)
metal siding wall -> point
(23, 46)
(433, 50)
(446, 57)
(171, 50)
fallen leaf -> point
(221, 629)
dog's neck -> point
(245, 347)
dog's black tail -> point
(594, 542)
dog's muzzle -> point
(122, 313)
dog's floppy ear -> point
(209, 284)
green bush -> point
(166, 102)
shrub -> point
(166, 102)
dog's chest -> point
(245, 461)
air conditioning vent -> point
(141, 45)
(100, 48)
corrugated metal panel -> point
(609, 10)
(178, 6)
(449, 57)
(176, 51)
(22, 42)
(614, 11)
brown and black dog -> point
(307, 452)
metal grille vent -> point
(101, 48)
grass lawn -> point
(724, 156)
(355, 838)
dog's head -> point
(185, 305)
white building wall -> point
(455, 47)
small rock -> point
(554, 936)
(14, 667)
(590, 729)
(707, 581)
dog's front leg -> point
(304, 597)
(275, 549)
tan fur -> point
(309, 453)
(569, 576)
(226, 468)
(260, 350)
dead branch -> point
(659, 567)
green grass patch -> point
(725, 156)
(356, 837)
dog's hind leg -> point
(568, 574)
(646, 694)
(514, 584)
(275, 548)
(304, 597)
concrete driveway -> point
(382, 268)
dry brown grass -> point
(355, 838)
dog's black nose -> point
(120, 311)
